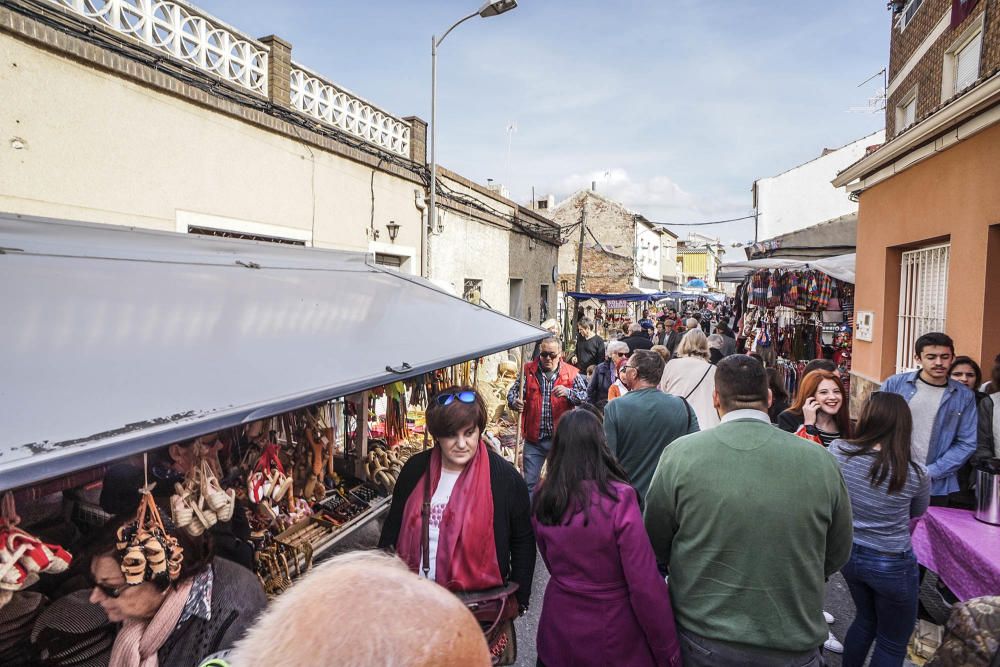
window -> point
(923, 298)
(389, 261)
(961, 60)
(516, 295)
(544, 305)
(472, 290)
(542, 204)
(909, 11)
(206, 231)
(906, 111)
(967, 63)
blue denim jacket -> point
(953, 439)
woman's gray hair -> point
(614, 346)
(694, 344)
(715, 342)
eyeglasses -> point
(620, 354)
(624, 368)
(548, 355)
(462, 396)
(109, 591)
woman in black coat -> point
(468, 482)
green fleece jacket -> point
(751, 521)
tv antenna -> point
(876, 103)
(511, 129)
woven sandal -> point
(134, 565)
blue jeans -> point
(534, 457)
(885, 589)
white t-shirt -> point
(439, 501)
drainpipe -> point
(425, 238)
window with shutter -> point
(910, 112)
(967, 63)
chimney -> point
(593, 186)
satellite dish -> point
(555, 273)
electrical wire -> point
(701, 224)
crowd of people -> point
(687, 510)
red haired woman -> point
(819, 412)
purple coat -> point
(606, 602)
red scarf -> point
(466, 553)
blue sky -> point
(674, 106)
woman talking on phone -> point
(819, 412)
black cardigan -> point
(515, 539)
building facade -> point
(241, 142)
(669, 272)
(621, 249)
(699, 258)
(929, 208)
(803, 196)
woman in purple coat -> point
(606, 602)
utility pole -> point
(579, 269)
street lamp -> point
(487, 10)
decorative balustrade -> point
(321, 99)
(178, 30)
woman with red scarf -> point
(480, 515)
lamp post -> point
(494, 8)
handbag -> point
(494, 608)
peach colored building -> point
(929, 199)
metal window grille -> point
(923, 298)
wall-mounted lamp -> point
(393, 230)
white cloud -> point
(659, 192)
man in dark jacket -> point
(636, 339)
(589, 346)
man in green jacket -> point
(751, 521)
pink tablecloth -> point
(964, 552)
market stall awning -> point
(116, 341)
(840, 267)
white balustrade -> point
(177, 30)
(336, 107)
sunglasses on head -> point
(548, 355)
(462, 396)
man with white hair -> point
(605, 373)
(428, 624)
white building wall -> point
(804, 196)
(647, 255)
(99, 148)
(668, 261)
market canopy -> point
(116, 341)
(651, 296)
(840, 267)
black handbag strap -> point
(688, 395)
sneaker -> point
(833, 645)
(828, 617)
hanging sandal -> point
(134, 565)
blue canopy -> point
(655, 296)
(696, 282)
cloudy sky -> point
(673, 106)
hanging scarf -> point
(139, 640)
(466, 557)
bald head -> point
(355, 593)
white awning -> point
(116, 341)
(840, 267)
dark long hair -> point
(578, 462)
(968, 361)
(885, 421)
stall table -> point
(964, 552)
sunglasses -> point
(109, 591)
(548, 355)
(624, 368)
(462, 396)
(620, 354)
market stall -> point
(297, 377)
(791, 312)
